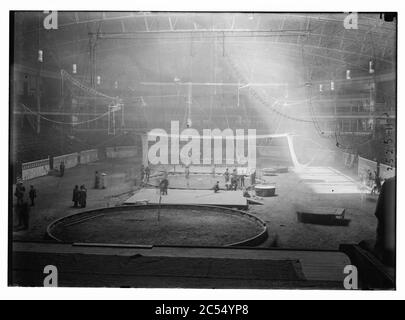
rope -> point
(61, 122)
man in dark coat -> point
(83, 196)
(76, 195)
(62, 168)
(33, 195)
(19, 193)
(164, 184)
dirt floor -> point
(293, 190)
(169, 227)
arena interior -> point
(209, 149)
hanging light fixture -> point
(74, 69)
(348, 75)
(371, 67)
(143, 102)
(189, 123)
(40, 56)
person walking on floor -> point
(33, 195)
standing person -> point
(76, 196)
(62, 168)
(242, 180)
(234, 183)
(147, 174)
(97, 180)
(19, 193)
(226, 175)
(377, 182)
(164, 184)
(187, 171)
(253, 178)
(33, 195)
(83, 196)
(370, 178)
(234, 179)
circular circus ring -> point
(213, 223)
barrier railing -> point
(34, 169)
(365, 166)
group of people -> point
(235, 181)
(79, 197)
(23, 206)
(374, 181)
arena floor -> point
(174, 225)
(279, 212)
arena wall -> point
(88, 156)
(121, 152)
(70, 160)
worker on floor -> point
(33, 195)
(97, 179)
(76, 196)
(62, 168)
(83, 196)
(147, 174)
(242, 180)
(226, 175)
(253, 178)
(163, 185)
(19, 193)
(216, 187)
